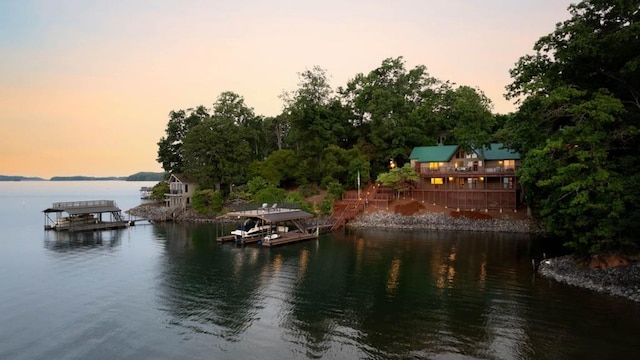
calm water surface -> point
(171, 292)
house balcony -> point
(474, 186)
(470, 171)
(173, 193)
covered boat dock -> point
(84, 216)
(274, 226)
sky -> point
(86, 86)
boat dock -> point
(146, 192)
(84, 216)
(269, 226)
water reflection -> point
(361, 295)
(64, 241)
(208, 289)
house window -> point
(507, 182)
(509, 164)
(433, 166)
(186, 188)
(437, 181)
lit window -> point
(437, 181)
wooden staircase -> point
(351, 206)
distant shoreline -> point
(141, 176)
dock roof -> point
(271, 215)
(84, 207)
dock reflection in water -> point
(63, 241)
(372, 295)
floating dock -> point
(270, 226)
(146, 192)
(84, 216)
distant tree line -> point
(576, 129)
(19, 178)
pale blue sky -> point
(83, 76)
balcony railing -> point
(474, 186)
(448, 170)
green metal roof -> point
(441, 153)
(497, 151)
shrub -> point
(207, 201)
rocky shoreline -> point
(623, 281)
(442, 221)
(161, 213)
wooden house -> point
(181, 191)
(480, 179)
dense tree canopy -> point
(392, 110)
(578, 125)
(170, 146)
(215, 153)
(324, 136)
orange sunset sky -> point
(86, 86)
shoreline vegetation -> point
(614, 276)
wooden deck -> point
(109, 225)
(289, 237)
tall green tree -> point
(464, 114)
(170, 145)
(392, 110)
(215, 153)
(230, 106)
(578, 125)
(343, 166)
(316, 120)
(276, 130)
(278, 169)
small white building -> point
(181, 191)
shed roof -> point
(439, 153)
(497, 151)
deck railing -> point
(83, 204)
(448, 170)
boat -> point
(253, 229)
(66, 222)
(270, 226)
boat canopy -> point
(272, 216)
(84, 207)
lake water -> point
(172, 292)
